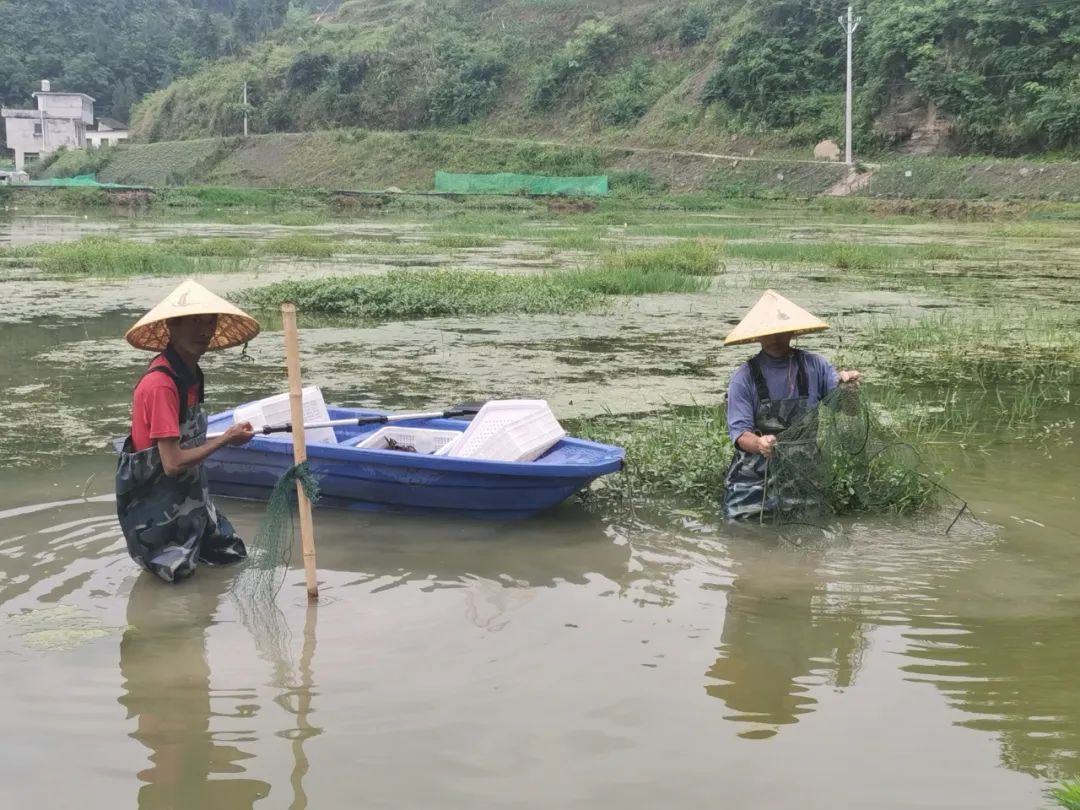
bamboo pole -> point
(296, 407)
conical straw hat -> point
(772, 315)
(234, 326)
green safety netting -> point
(80, 181)
(507, 183)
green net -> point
(255, 589)
(841, 458)
(505, 183)
(79, 181)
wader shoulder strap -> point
(802, 381)
(758, 378)
(182, 381)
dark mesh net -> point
(841, 459)
(254, 591)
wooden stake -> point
(296, 407)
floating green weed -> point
(299, 219)
(456, 241)
(412, 293)
(851, 256)
(682, 452)
(383, 247)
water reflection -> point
(566, 545)
(1013, 677)
(777, 643)
(166, 683)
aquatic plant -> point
(681, 452)
(110, 256)
(213, 246)
(299, 219)
(697, 257)
(303, 246)
(631, 281)
(858, 466)
(1067, 795)
(1006, 344)
(415, 293)
(455, 241)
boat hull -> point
(392, 481)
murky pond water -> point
(578, 660)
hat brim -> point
(756, 337)
(232, 330)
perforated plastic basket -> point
(275, 410)
(424, 440)
(510, 430)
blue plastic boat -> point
(393, 481)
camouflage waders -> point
(752, 489)
(170, 524)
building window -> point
(37, 129)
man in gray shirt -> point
(768, 394)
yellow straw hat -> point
(773, 315)
(234, 326)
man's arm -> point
(176, 459)
(742, 401)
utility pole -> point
(849, 24)
(246, 106)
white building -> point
(108, 131)
(60, 120)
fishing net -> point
(255, 589)
(842, 458)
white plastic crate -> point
(275, 410)
(510, 430)
(425, 440)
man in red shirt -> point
(162, 499)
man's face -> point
(192, 333)
(777, 345)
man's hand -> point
(237, 435)
(766, 445)
(850, 377)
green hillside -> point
(119, 50)
(934, 76)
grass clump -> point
(652, 469)
(586, 239)
(220, 246)
(632, 281)
(299, 219)
(302, 246)
(109, 256)
(414, 293)
(699, 257)
(385, 247)
(839, 256)
(1067, 795)
(999, 345)
(878, 475)
(459, 241)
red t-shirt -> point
(155, 407)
